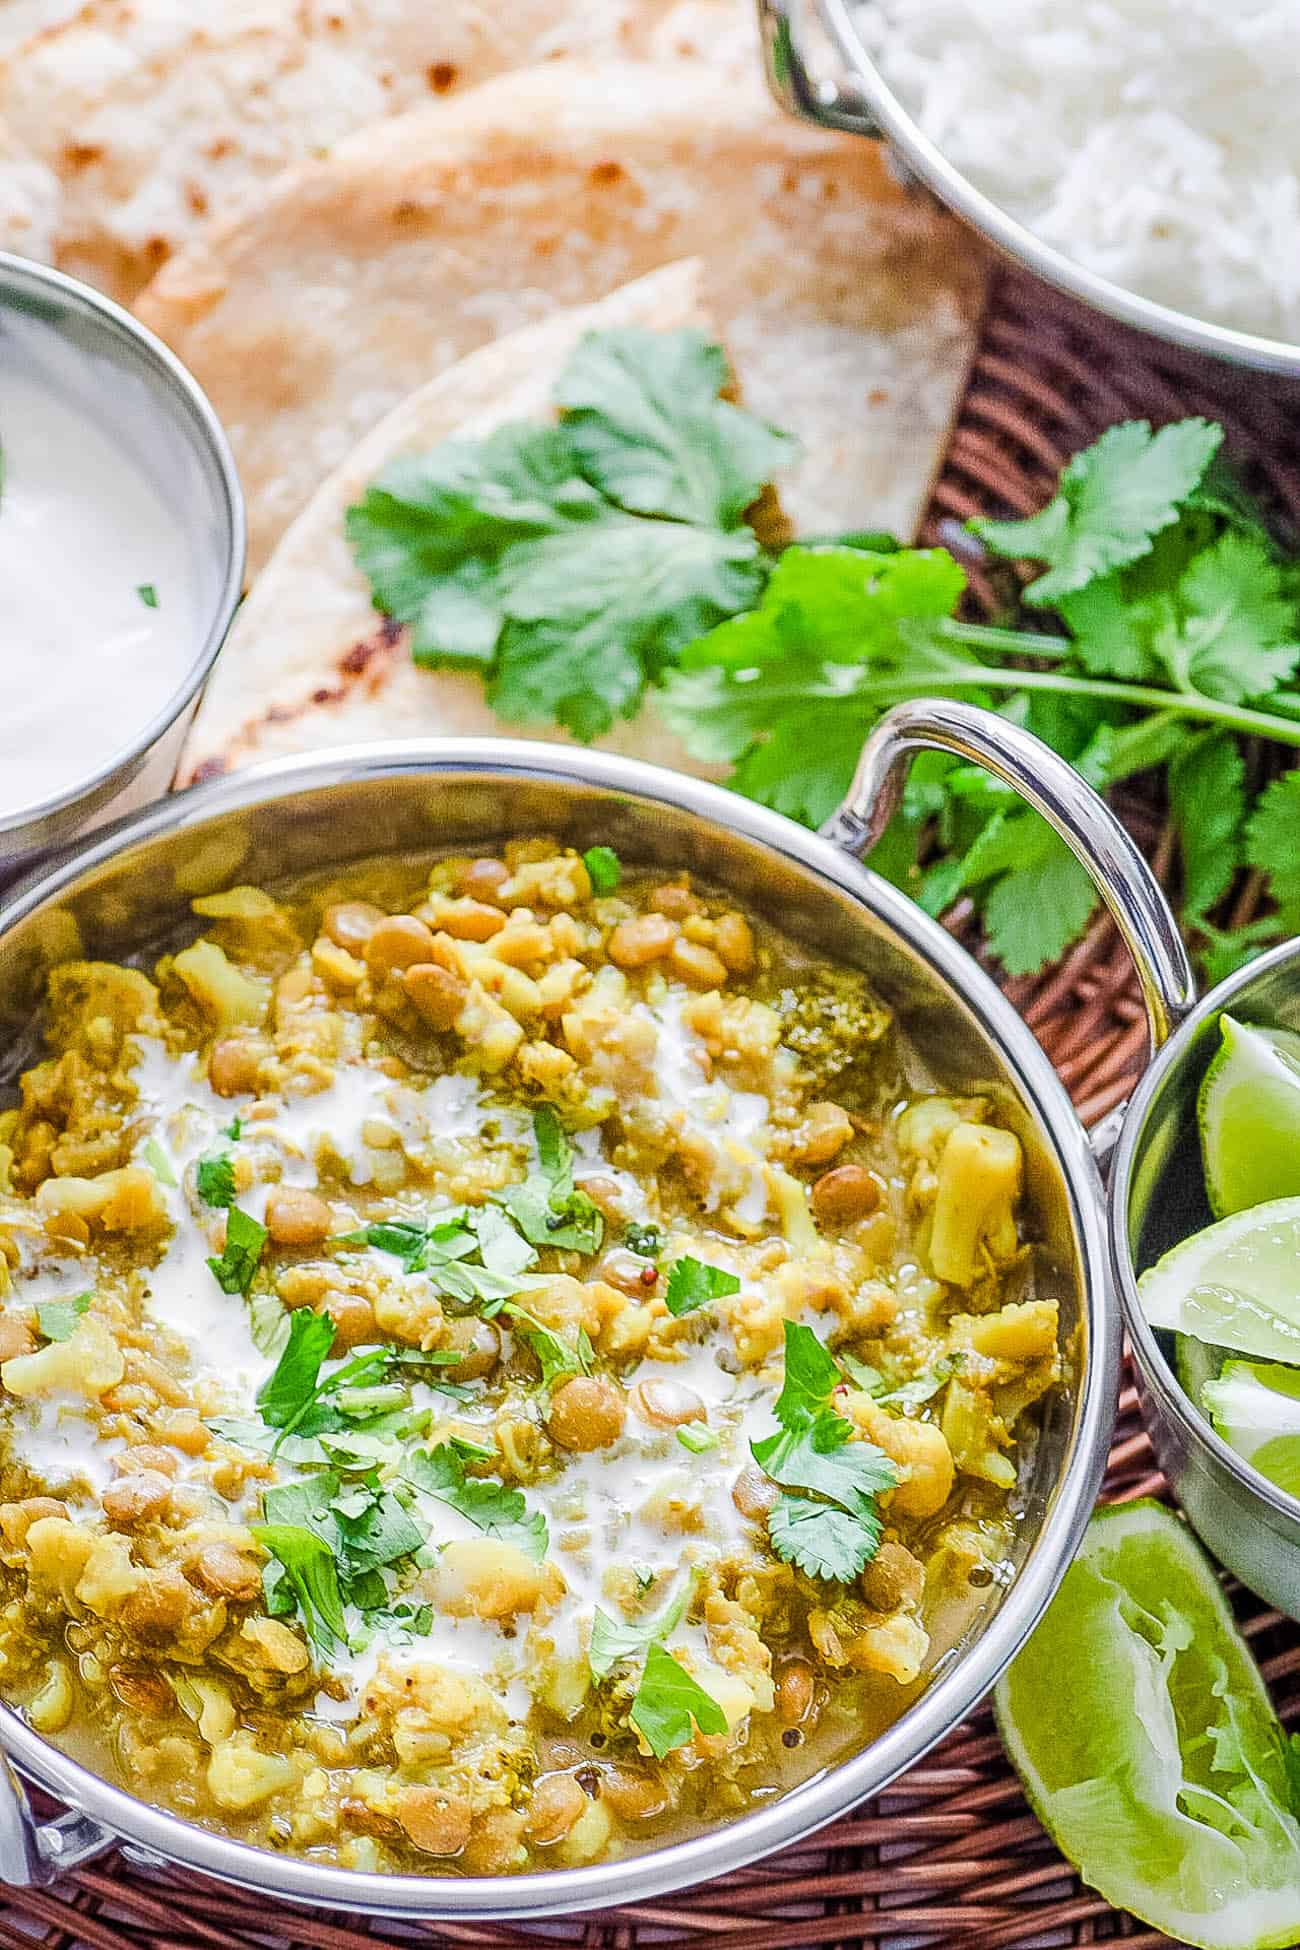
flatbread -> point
(309, 663)
(150, 114)
(848, 304)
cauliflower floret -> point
(925, 1466)
(1022, 1331)
(88, 1363)
(979, 1173)
(240, 1775)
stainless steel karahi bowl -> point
(862, 103)
(140, 386)
(127, 892)
(1157, 1198)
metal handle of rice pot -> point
(830, 104)
(34, 1852)
(1053, 788)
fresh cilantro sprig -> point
(825, 1521)
(568, 563)
(614, 1639)
(1180, 637)
(330, 1545)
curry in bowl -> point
(504, 1364)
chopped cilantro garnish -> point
(604, 869)
(698, 1437)
(57, 1319)
(493, 1507)
(233, 1129)
(148, 594)
(613, 1639)
(215, 1179)
(245, 1239)
(826, 1522)
(547, 1207)
(558, 1356)
(646, 1240)
(693, 1283)
(306, 1564)
(669, 1705)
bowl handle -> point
(830, 104)
(33, 1852)
(1069, 805)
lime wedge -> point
(1235, 1283)
(1158, 1767)
(1256, 1409)
(1249, 1112)
(1195, 1363)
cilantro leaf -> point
(493, 1507)
(1227, 630)
(558, 1357)
(1207, 802)
(614, 1639)
(292, 1384)
(1040, 897)
(310, 1570)
(245, 1239)
(214, 1179)
(569, 563)
(1273, 841)
(643, 414)
(148, 594)
(831, 1520)
(645, 1240)
(694, 1283)
(669, 1705)
(604, 869)
(57, 1319)
(821, 1540)
(1114, 498)
(547, 1207)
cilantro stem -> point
(1010, 643)
(1242, 718)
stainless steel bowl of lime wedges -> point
(1205, 1236)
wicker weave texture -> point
(950, 1856)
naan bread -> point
(150, 114)
(309, 663)
(846, 303)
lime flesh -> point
(1236, 1283)
(1249, 1114)
(1255, 1407)
(1141, 1729)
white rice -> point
(1154, 141)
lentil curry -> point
(502, 1365)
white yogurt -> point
(86, 659)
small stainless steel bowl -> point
(143, 388)
(864, 104)
(1157, 1197)
(127, 892)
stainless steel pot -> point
(862, 103)
(145, 395)
(127, 891)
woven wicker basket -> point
(950, 1855)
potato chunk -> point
(980, 1170)
(88, 1363)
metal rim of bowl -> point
(1023, 245)
(184, 391)
(1151, 1360)
(953, 1693)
